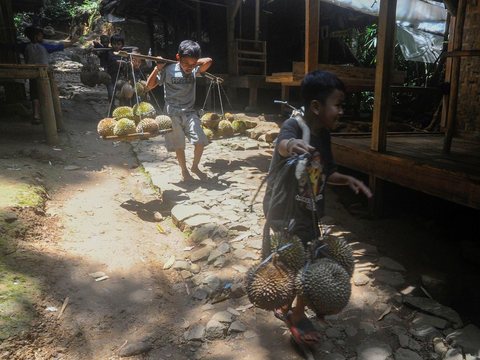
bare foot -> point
(186, 177)
(201, 175)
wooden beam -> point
(312, 29)
(455, 81)
(411, 174)
(461, 53)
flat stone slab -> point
(182, 212)
(434, 308)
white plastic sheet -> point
(417, 45)
(414, 12)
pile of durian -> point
(319, 275)
(139, 119)
(216, 126)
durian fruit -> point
(96, 77)
(140, 88)
(210, 133)
(127, 91)
(290, 250)
(225, 128)
(210, 120)
(229, 117)
(105, 127)
(340, 251)
(239, 126)
(124, 127)
(123, 112)
(164, 122)
(85, 78)
(143, 110)
(210, 116)
(105, 78)
(270, 285)
(119, 84)
(147, 125)
(325, 286)
(119, 95)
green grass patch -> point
(18, 292)
(21, 194)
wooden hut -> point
(11, 70)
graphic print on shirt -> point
(317, 181)
(183, 80)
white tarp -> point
(417, 45)
(418, 13)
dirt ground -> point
(99, 217)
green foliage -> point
(59, 9)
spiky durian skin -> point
(209, 133)
(164, 122)
(123, 112)
(210, 116)
(210, 120)
(239, 126)
(140, 88)
(325, 287)
(106, 126)
(143, 110)
(124, 127)
(294, 255)
(127, 91)
(147, 125)
(341, 251)
(224, 128)
(229, 117)
(270, 286)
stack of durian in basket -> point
(319, 275)
(216, 126)
(139, 119)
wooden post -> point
(46, 108)
(151, 35)
(384, 73)
(312, 28)
(285, 96)
(232, 10)
(382, 101)
(253, 97)
(57, 107)
(198, 22)
(448, 73)
(455, 81)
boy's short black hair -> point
(319, 85)
(31, 32)
(116, 38)
(189, 48)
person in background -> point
(102, 55)
(114, 64)
(37, 52)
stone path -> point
(383, 320)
